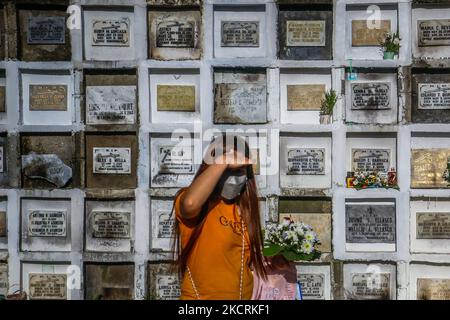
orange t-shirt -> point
(215, 260)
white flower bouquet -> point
(295, 241)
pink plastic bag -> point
(281, 283)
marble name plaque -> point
(370, 96)
(433, 225)
(434, 96)
(371, 160)
(433, 32)
(48, 97)
(112, 160)
(47, 223)
(111, 224)
(46, 30)
(175, 34)
(305, 33)
(47, 286)
(362, 36)
(111, 32)
(239, 34)
(176, 160)
(304, 97)
(306, 161)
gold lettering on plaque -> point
(433, 289)
(320, 222)
(304, 96)
(362, 36)
(48, 97)
(427, 167)
(175, 98)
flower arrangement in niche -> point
(390, 45)
(295, 241)
(366, 179)
(327, 106)
(446, 174)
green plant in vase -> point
(327, 106)
(390, 45)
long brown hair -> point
(248, 205)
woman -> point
(218, 228)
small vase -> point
(388, 55)
(325, 118)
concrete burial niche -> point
(100, 43)
(46, 97)
(240, 31)
(110, 99)
(305, 161)
(240, 96)
(370, 281)
(174, 95)
(429, 157)
(430, 30)
(43, 34)
(430, 95)
(371, 152)
(305, 32)
(109, 281)
(363, 35)
(373, 98)
(173, 162)
(111, 160)
(45, 281)
(109, 225)
(429, 281)
(370, 225)
(163, 281)
(430, 225)
(161, 224)
(313, 211)
(301, 94)
(45, 224)
(175, 33)
(6, 159)
(315, 281)
(49, 160)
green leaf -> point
(271, 250)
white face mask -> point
(233, 185)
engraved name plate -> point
(427, 166)
(240, 103)
(433, 225)
(3, 225)
(112, 160)
(239, 34)
(370, 223)
(433, 289)
(304, 96)
(362, 36)
(47, 223)
(111, 33)
(46, 30)
(305, 161)
(175, 98)
(312, 286)
(176, 160)
(305, 33)
(433, 32)
(370, 96)
(48, 97)
(165, 225)
(47, 286)
(434, 96)
(371, 286)
(111, 224)
(167, 287)
(110, 104)
(371, 160)
(175, 34)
